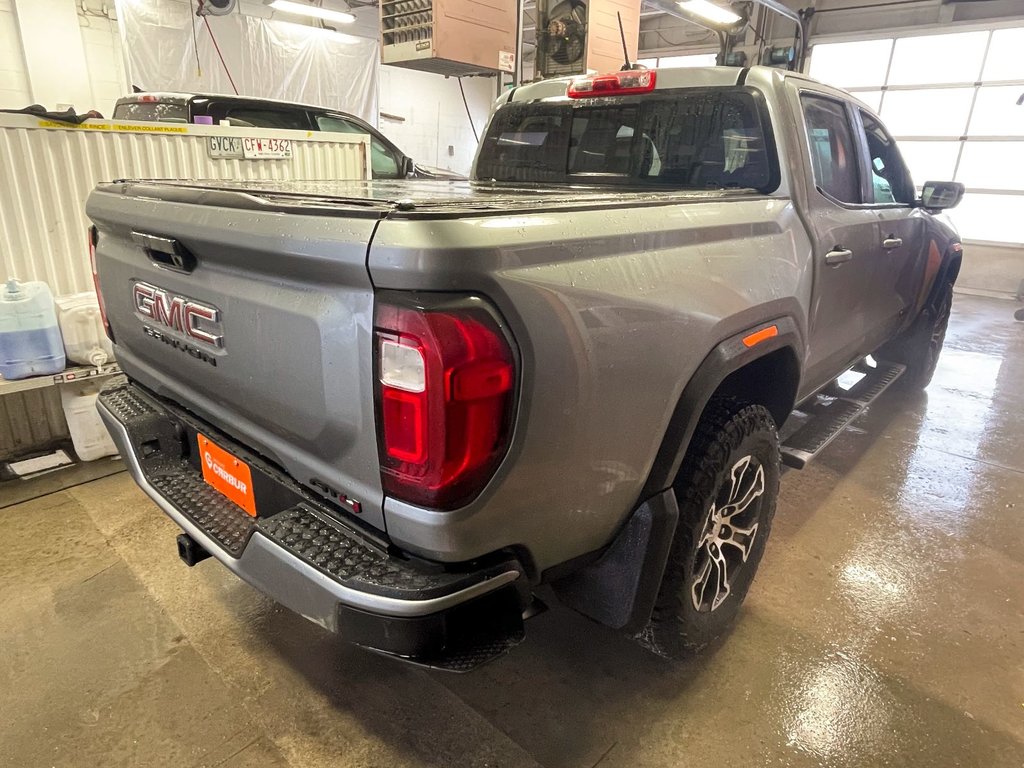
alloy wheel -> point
(728, 534)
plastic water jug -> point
(81, 325)
(88, 435)
(30, 343)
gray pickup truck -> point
(400, 408)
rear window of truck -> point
(152, 111)
(706, 139)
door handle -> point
(892, 243)
(838, 256)
(166, 252)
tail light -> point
(94, 236)
(615, 84)
(446, 381)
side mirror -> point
(941, 195)
(408, 166)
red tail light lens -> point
(446, 381)
(94, 236)
(615, 84)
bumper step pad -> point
(157, 444)
(834, 410)
(218, 517)
(328, 546)
(458, 638)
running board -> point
(834, 409)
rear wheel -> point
(920, 346)
(726, 490)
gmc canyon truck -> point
(399, 408)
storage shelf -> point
(79, 373)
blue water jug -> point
(30, 341)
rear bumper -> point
(304, 556)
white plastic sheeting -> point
(47, 171)
(269, 59)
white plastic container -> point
(30, 343)
(81, 325)
(88, 435)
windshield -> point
(691, 139)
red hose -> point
(227, 71)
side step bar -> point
(834, 409)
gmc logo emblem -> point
(196, 321)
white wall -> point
(258, 56)
(14, 89)
(433, 127)
(51, 80)
(104, 60)
(54, 52)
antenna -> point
(625, 51)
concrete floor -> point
(885, 628)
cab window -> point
(689, 139)
(890, 179)
(382, 158)
(833, 152)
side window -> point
(245, 117)
(382, 159)
(890, 179)
(833, 152)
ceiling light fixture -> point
(313, 11)
(711, 12)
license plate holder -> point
(226, 473)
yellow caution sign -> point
(129, 127)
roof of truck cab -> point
(185, 97)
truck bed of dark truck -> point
(399, 407)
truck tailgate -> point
(290, 299)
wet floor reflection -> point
(930, 479)
(839, 709)
(957, 421)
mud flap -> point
(619, 589)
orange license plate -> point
(229, 475)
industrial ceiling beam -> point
(782, 10)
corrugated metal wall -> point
(46, 174)
(31, 421)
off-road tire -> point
(729, 432)
(919, 347)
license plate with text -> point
(227, 474)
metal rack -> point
(68, 375)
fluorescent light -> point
(313, 11)
(706, 10)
